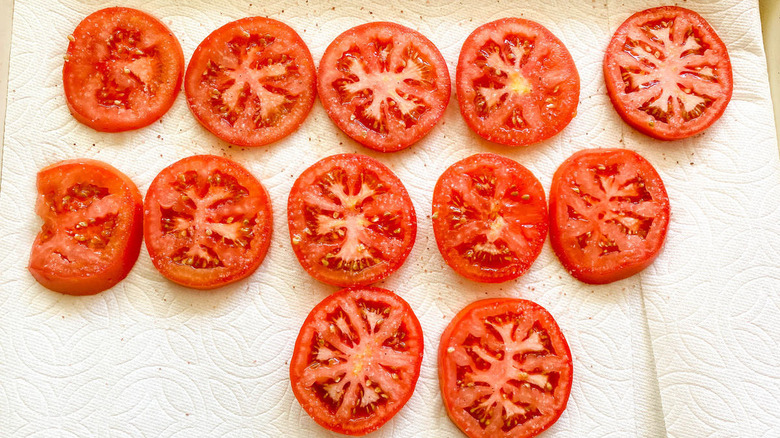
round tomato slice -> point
(91, 233)
(505, 369)
(384, 85)
(207, 222)
(351, 220)
(123, 70)
(251, 82)
(489, 218)
(357, 360)
(516, 82)
(667, 72)
(609, 213)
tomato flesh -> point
(123, 70)
(516, 82)
(251, 82)
(489, 218)
(609, 213)
(384, 85)
(357, 359)
(668, 73)
(91, 233)
(207, 222)
(505, 369)
(351, 220)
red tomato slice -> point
(516, 82)
(667, 72)
(357, 359)
(91, 233)
(384, 85)
(505, 369)
(207, 222)
(351, 220)
(489, 218)
(609, 213)
(123, 70)
(251, 82)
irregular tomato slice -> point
(667, 72)
(351, 220)
(516, 82)
(384, 85)
(505, 369)
(609, 213)
(251, 82)
(489, 218)
(91, 233)
(123, 70)
(207, 222)
(357, 359)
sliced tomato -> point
(251, 82)
(384, 85)
(207, 222)
(667, 72)
(123, 70)
(357, 359)
(516, 82)
(91, 233)
(489, 218)
(609, 213)
(505, 369)
(351, 220)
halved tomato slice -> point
(357, 359)
(609, 213)
(489, 218)
(351, 220)
(384, 85)
(91, 233)
(505, 369)
(123, 70)
(516, 82)
(251, 82)
(207, 222)
(667, 72)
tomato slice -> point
(123, 70)
(609, 213)
(516, 82)
(384, 85)
(667, 72)
(207, 222)
(251, 82)
(489, 218)
(91, 233)
(351, 220)
(505, 369)
(357, 359)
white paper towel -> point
(152, 359)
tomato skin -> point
(308, 247)
(452, 341)
(407, 373)
(637, 256)
(218, 48)
(622, 100)
(523, 203)
(221, 190)
(114, 262)
(343, 111)
(80, 75)
(555, 103)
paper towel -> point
(152, 359)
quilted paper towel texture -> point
(151, 359)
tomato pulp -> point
(91, 233)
